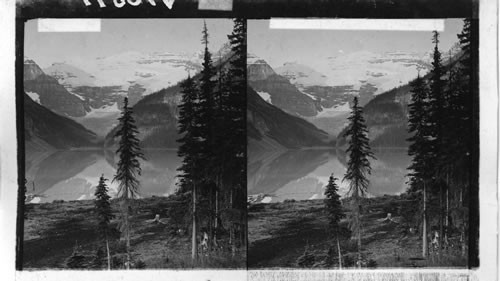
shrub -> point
(307, 259)
(140, 264)
(76, 261)
(371, 263)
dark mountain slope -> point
(51, 94)
(45, 129)
(262, 78)
(269, 127)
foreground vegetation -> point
(65, 235)
(296, 234)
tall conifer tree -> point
(237, 100)
(189, 150)
(469, 42)
(207, 121)
(436, 107)
(358, 166)
(235, 158)
(419, 148)
(129, 168)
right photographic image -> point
(363, 144)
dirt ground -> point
(279, 233)
(53, 230)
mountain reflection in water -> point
(303, 174)
(74, 174)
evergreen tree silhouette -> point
(335, 211)
(129, 168)
(189, 149)
(358, 166)
(420, 148)
(104, 213)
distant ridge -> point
(44, 129)
(269, 127)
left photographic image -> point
(135, 145)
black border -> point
(253, 9)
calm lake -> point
(74, 174)
(303, 174)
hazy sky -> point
(122, 35)
(278, 46)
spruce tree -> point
(436, 116)
(104, 213)
(189, 149)
(235, 154)
(207, 124)
(237, 98)
(207, 105)
(358, 166)
(129, 168)
(187, 128)
(459, 157)
(419, 148)
(469, 42)
(335, 212)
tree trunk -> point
(231, 198)
(244, 231)
(424, 225)
(338, 250)
(462, 232)
(194, 249)
(359, 234)
(216, 213)
(440, 240)
(109, 256)
(446, 213)
(127, 233)
(217, 207)
(233, 244)
(128, 242)
(210, 218)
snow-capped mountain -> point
(329, 84)
(301, 75)
(277, 90)
(31, 69)
(131, 74)
(362, 73)
(153, 71)
(70, 76)
(92, 91)
(383, 70)
(46, 91)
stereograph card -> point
(249, 140)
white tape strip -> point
(221, 5)
(69, 25)
(359, 24)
